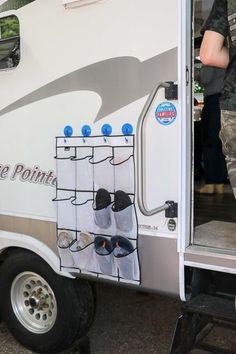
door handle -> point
(140, 155)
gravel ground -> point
(126, 322)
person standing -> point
(219, 27)
(211, 79)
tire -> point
(44, 311)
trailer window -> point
(9, 42)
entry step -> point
(216, 234)
(213, 306)
(199, 316)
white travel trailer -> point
(96, 167)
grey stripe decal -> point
(119, 81)
(14, 4)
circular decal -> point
(166, 113)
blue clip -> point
(106, 131)
(68, 131)
(86, 131)
(127, 129)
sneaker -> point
(64, 239)
(121, 201)
(121, 246)
(206, 189)
(102, 246)
(102, 200)
(85, 239)
(219, 188)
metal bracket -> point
(172, 210)
(171, 92)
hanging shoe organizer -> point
(96, 216)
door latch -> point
(171, 92)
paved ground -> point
(126, 322)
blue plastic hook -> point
(127, 129)
(86, 131)
(106, 130)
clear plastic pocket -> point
(84, 211)
(104, 258)
(124, 219)
(66, 257)
(65, 168)
(84, 257)
(84, 169)
(64, 241)
(123, 165)
(103, 218)
(66, 212)
(125, 257)
(105, 264)
(103, 171)
(124, 213)
(128, 266)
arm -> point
(212, 51)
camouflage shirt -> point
(222, 20)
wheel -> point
(44, 311)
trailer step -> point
(216, 234)
(199, 316)
(208, 305)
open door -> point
(214, 211)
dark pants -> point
(213, 158)
(228, 137)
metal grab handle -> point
(140, 154)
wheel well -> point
(9, 251)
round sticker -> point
(166, 113)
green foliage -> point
(197, 87)
(9, 27)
